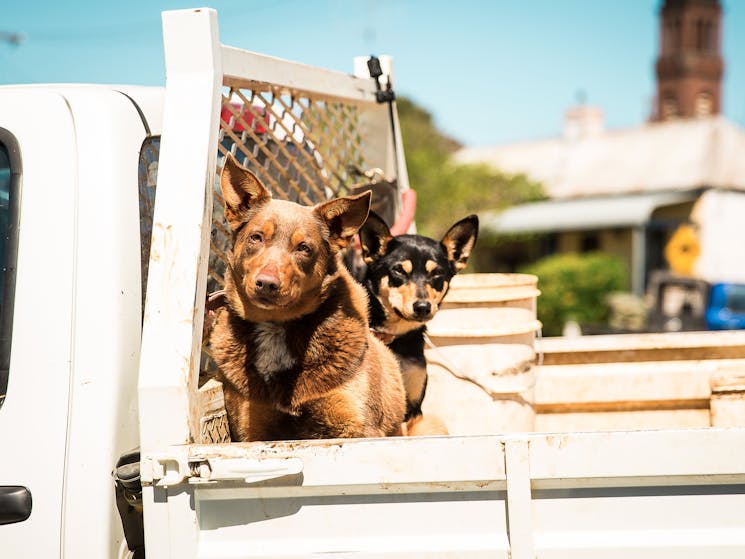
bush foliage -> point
(575, 287)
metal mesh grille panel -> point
(303, 149)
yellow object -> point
(682, 250)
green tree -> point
(445, 189)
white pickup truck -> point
(89, 371)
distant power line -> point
(14, 39)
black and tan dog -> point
(293, 346)
(407, 277)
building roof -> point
(660, 156)
(583, 214)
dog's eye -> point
(398, 270)
(304, 248)
(437, 282)
(256, 237)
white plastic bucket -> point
(487, 308)
(481, 389)
(480, 363)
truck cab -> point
(76, 187)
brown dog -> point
(294, 351)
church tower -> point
(690, 66)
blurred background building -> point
(668, 194)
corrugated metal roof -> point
(675, 155)
(583, 214)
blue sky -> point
(490, 71)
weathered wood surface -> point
(627, 348)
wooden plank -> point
(213, 418)
(626, 348)
(638, 385)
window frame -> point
(144, 189)
(10, 238)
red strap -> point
(408, 209)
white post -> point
(519, 498)
(172, 328)
(638, 259)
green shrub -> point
(575, 287)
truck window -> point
(10, 173)
(147, 179)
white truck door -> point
(38, 130)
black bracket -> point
(386, 95)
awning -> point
(583, 214)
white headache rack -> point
(307, 132)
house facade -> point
(635, 192)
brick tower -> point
(689, 67)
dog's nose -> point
(267, 283)
(421, 308)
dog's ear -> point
(242, 190)
(374, 237)
(344, 216)
(460, 240)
